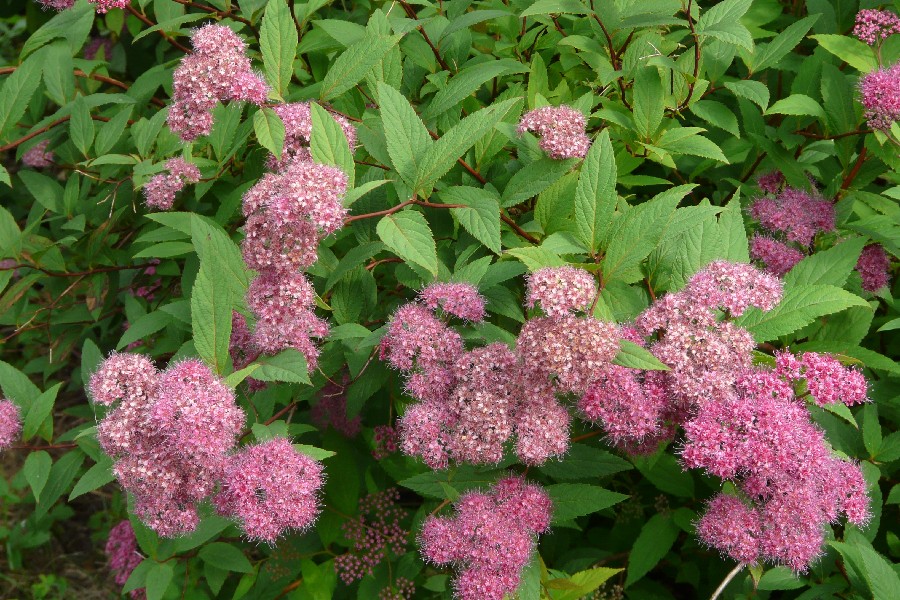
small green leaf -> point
(313, 452)
(408, 236)
(225, 556)
(582, 583)
(635, 357)
(534, 178)
(278, 43)
(754, 91)
(211, 306)
(649, 102)
(571, 500)
(652, 544)
(39, 410)
(288, 366)
(407, 138)
(481, 218)
(37, 471)
(352, 66)
(555, 7)
(16, 92)
(328, 143)
(269, 130)
(95, 477)
(827, 267)
(159, 576)
(797, 105)
(462, 85)
(595, 194)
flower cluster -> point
(880, 97)
(562, 130)
(104, 6)
(10, 423)
(271, 488)
(159, 192)
(373, 535)
(490, 538)
(297, 120)
(778, 257)
(874, 26)
(38, 157)
(123, 556)
(472, 402)
(385, 439)
(874, 268)
(218, 69)
(401, 589)
(58, 5)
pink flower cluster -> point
(490, 538)
(96, 45)
(10, 423)
(880, 97)
(402, 589)
(561, 128)
(58, 5)
(123, 555)
(297, 121)
(386, 440)
(271, 488)
(874, 268)
(169, 433)
(218, 69)
(38, 157)
(472, 402)
(374, 535)
(104, 6)
(795, 213)
(561, 290)
(159, 192)
(778, 257)
(458, 299)
(874, 26)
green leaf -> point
(110, 132)
(595, 194)
(798, 105)
(215, 247)
(635, 357)
(62, 474)
(481, 217)
(537, 257)
(850, 50)
(45, 190)
(37, 471)
(313, 452)
(722, 22)
(584, 462)
(572, 500)
(288, 366)
(211, 306)
(800, 306)
(732, 233)
(59, 76)
(278, 43)
(352, 66)
(717, 115)
(652, 544)
(582, 583)
(534, 178)
(555, 7)
(95, 477)
(879, 576)
(634, 236)
(328, 143)
(685, 140)
(466, 20)
(39, 410)
(170, 25)
(827, 267)
(407, 138)
(144, 326)
(754, 91)
(159, 576)
(16, 93)
(269, 129)
(770, 54)
(649, 102)
(73, 24)
(408, 236)
(225, 556)
(462, 85)
(780, 578)
(451, 482)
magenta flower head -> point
(880, 97)
(461, 300)
(561, 290)
(732, 527)
(778, 257)
(874, 268)
(490, 538)
(96, 45)
(123, 555)
(271, 488)
(57, 5)
(38, 157)
(374, 535)
(797, 214)
(561, 129)
(104, 6)
(160, 191)
(10, 423)
(828, 381)
(121, 376)
(874, 26)
(771, 183)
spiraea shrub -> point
(473, 299)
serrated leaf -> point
(769, 55)
(450, 482)
(95, 477)
(717, 115)
(462, 85)
(797, 105)
(754, 91)
(408, 235)
(595, 194)
(211, 306)
(722, 21)
(732, 233)
(536, 257)
(287, 366)
(533, 179)
(407, 138)
(481, 218)
(634, 235)
(37, 471)
(648, 102)
(159, 576)
(352, 66)
(269, 129)
(571, 500)
(225, 556)
(827, 267)
(328, 143)
(278, 43)
(555, 7)
(142, 327)
(686, 140)
(850, 50)
(313, 452)
(635, 357)
(654, 541)
(584, 462)
(582, 583)
(15, 94)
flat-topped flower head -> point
(880, 97)
(271, 489)
(874, 268)
(121, 376)
(777, 257)
(561, 290)
(561, 129)
(734, 287)
(160, 191)
(461, 300)
(10, 423)
(416, 339)
(874, 26)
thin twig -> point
(143, 18)
(411, 13)
(727, 580)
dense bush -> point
(552, 299)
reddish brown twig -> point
(143, 18)
(848, 180)
(437, 54)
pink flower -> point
(620, 402)
(10, 423)
(122, 552)
(271, 488)
(874, 268)
(796, 213)
(104, 6)
(771, 183)
(96, 45)
(732, 527)
(160, 191)
(874, 26)
(58, 5)
(829, 381)
(123, 376)
(561, 129)
(778, 257)
(880, 91)
(297, 121)
(38, 157)
(458, 299)
(386, 441)
(561, 290)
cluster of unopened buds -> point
(374, 535)
(174, 434)
(561, 129)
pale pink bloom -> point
(732, 527)
(880, 97)
(874, 268)
(38, 157)
(297, 121)
(561, 290)
(771, 183)
(10, 423)
(778, 257)
(561, 129)
(874, 26)
(541, 422)
(58, 5)
(123, 376)
(458, 299)
(160, 191)
(828, 381)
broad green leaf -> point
(95, 477)
(536, 257)
(62, 474)
(754, 91)
(225, 556)
(584, 462)
(635, 357)
(571, 500)
(269, 129)
(648, 103)
(555, 7)
(450, 482)
(37, 471)
(878, 574)
(288, 366)
(733, 234)
(408, 236)
(314, 452)
(352, 66)
(17, 387)
(481, 218)
(850, 50)
(769, 55)
(233, 380)
(827, 267)
(215, 247)
(686, 140)
(798, 105)
(466, 20)
(110, 132)
(142, 327)
(717, 115)
(801, 305)
(40, 409)
(532, 179)
(74, 24)
(652, 544)
(328, 143)
(59, 76)
(462, 85)
(582, 583)
(171, 25)
(45, 190)
(211, 306)
(634, 235)
(278, 43)
(722, 21)
(595, 194)
(407, 138)
(780, 578)
(16, 93)
(159, 576)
